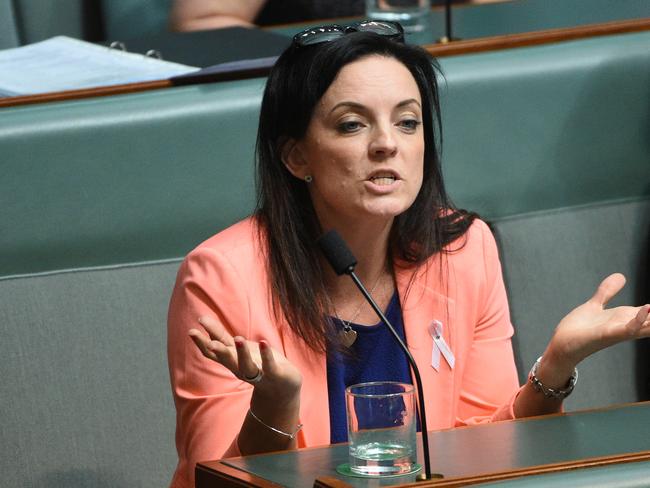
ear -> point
(293, 159)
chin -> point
(387, 211)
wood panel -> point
(216, 474)
(510, 41)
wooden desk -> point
(597, 439)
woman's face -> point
(364, 147)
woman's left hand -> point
(591, 327)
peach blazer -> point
(225, 277)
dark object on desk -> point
(210, 47)
(234, 70)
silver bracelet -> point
(547, 391)
(278, 431)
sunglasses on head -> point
(327, 33)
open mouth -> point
(383, 179)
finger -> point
(608, 288)
(641, 320)
(247, 367)
(202, 341)
(268, 361)
(216, 331)
(225, 355)
(214, 350)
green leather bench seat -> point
(148, 176)
(547, 127)
(124, 179)
(85, 397)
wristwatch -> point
(558, 394)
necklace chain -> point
(346, 323)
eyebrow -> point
(356, 105)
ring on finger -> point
(255, 379)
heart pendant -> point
(348, 336)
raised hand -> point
(592, 327)
(257, 363)
(587, 329)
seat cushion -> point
(85, 392)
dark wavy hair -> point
(288, 223)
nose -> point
(382, 143)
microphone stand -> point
(448, 36)
(342, 261)
(416, 372)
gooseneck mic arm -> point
(448, 37)
(340, 257)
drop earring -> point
(309, 179)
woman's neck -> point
(368, 242)
(369, 245)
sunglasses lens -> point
(382, 28)
(322, 37)
(326, 33)
(392, 30)
(318, 34)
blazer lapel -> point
(423, 301)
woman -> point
(348, 141)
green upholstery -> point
(147, 176)
(124, 179)
(85, 397)
(547, 127)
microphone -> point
(342, 260)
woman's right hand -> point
(276, 396)
(245, 359)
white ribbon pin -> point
(440, 346)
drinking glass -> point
(414, 15)
(381, 428)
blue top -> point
(376, 356)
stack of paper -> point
(63, 63)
